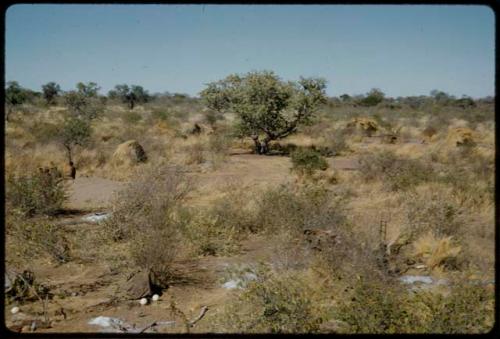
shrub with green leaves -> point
(74, 132)
(37, 193)
(305, 161)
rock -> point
(139, 285)
(128, 154)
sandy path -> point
(92, 192)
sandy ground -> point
(245, 170)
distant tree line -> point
(85, 98)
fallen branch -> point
(204, 310)
(154, 323)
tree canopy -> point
(268, 107)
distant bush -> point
(160, 114)
(35, 193)
(305, 161)
(396, 173)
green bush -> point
(305, 161)
(36, 193)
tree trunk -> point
(261, 147)
(131, 104)
(264, 147)
(68, 152)
(256, 141)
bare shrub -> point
(146, 215)
(218, 229)
(434, 208)
(336, 141)
(34, 238)
(195, 153)
(294, 209)
(396, 173)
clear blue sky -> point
(403, 50)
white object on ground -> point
(143, 301)
(14, 310)
(411, 279)
(97, 217)
(231, 284)
(105, 321)
(156, 297)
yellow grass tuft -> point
(434, 251)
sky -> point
(403, 50)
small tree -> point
(50, 91)
(84, 102)
(88, 90)
(345, 97)
(15, 95)
(268, 108)
(130, 95)
(74, 132)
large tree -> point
(268, 108)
